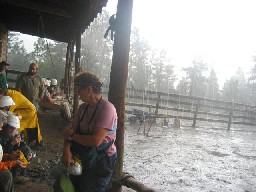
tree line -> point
(149, 68)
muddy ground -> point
(47, 157)
(208, 158)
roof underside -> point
(53, 19)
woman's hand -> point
(67, 158)
(67, 133)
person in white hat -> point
(29, 122)
(47, 96)
(53, 88)
(11, 140)
(52, 100)
(5, 103)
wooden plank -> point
(49, 105)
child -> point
(11, 141)
(7, 161)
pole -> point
(77, 67)
(118, 79)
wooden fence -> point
(12, 76)
(168, 105)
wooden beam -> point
(77, 68)
(118, 78)
(38, 7)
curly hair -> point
(85, 79)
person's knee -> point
(7, 173)
(6, 177)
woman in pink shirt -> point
(92, 136)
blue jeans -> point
(97, 178)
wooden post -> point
(176, 122)
(157, 106)
(67, 69)
(157, 103)
(230, 119)
(118, 79)
(195, 113)
(70, 80)
(77, 67)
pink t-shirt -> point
(103, 116)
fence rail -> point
(170, 105)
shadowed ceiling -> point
(53, 19)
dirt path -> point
(47, 157)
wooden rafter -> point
(39, 7)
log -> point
(49, 105)
(130, 182)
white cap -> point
(13, 121)
(54, 82)
(1, 153)
(6, 101)
(48, 82)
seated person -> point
(51, 95)
(7, 162)
(53, 89)
(11, 142)
(47, 95)
(10, 139)
(29, 123)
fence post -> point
(176, 122)
(230, 120)
(157, 106)
(195, 113)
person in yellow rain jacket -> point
(29, 121)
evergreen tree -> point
(195, 77)
(163, 76)
(96, 50)
(212, 86)
(252, 83)
(139, 69)
(17, 55)
(236, 88)
(183, 86)
(230, 89)
(51, 57)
